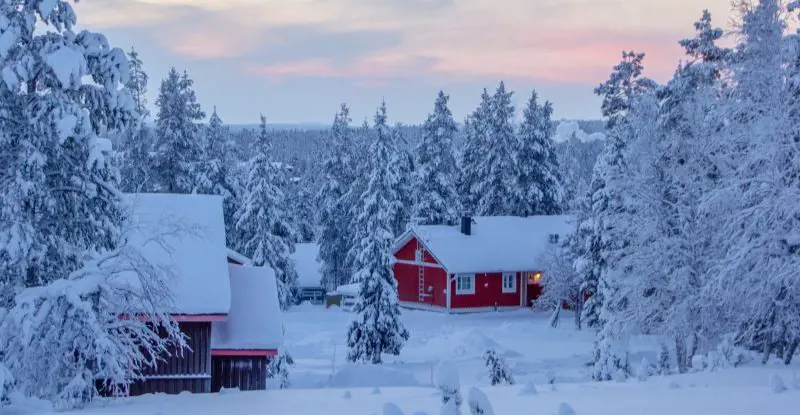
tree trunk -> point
(555, 317)
(578, 310)
(790, 351)
(767, 348)
(692, 349)
(680, 354)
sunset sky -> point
(296, 60)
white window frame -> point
(460, 289)
(512, 278)
(418, 255)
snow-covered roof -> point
(238, 257)
(347, 289)
(186, 235)
(254, 322)
(307, 266)
(104, 145)
(496, 243)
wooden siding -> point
(488, 293)
(182, 370)
(245, 373)
(407, 276)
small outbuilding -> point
(243, 345)
(309, 276)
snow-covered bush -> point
(528, 389)
(644, 370)
(731, 355)
(448, 383)
(565, 409)
(279, 368)
(499, 372)
(776, 384)
(450, 408)
(6, 381)
(478, 402)
(58, 339)
(663, 360)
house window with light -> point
(534, 277)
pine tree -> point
(377, 329)
(335, 214)
(178, 147)
(476, 132)
(403, 162)
(135, 141)
(266, 233)
(499, 372)
(215, 176)
(61, 217)
(539, 177)
(496, 189)
(436, 198)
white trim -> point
(513, 288)
(465, 291)
(421, 264)
(457, 310)
(166, 377)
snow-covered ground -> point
(321, 379)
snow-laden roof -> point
(496, 243)
(186, 235)
(347, 289)
(307, 265)
(254, 322)
(238, 257)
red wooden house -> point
(487, 263)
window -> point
(418, 255)
(465, 284)
(509, 282)
(553, 238)
(534, 277)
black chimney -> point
(466, 225)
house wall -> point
(243, 372)
(186, 370)
(407, 276)
(488, 293)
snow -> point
(46, 7)
(192, 233)
(370, 376)
(347, 289)
(498, 243)
(254, 320)
(238, 257)
(66, 127)
(566, 129)
(308, 268)
(67, 64)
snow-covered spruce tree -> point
(378, 328)
(215, 169)
(760, 181)
(499, 372)
(135, 141)
(561, 284)
(496, 188)
(476, 138)
(353, 200)
(436, 197)
(61, 221)
(334, 213)
(611, 213)
(403, 162)
(267, 236)
(178, 145)
(279, 368)
(301, 205)
(539, 177)
(448, 383)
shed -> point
(309, 276)
(242, 346)
(486, 263)
(183, 235)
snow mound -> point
(565, 409)
(479, 403)
(475, 343)
(227, 391)
(776, 384)
(347, 395)
(364, 376)
(390, 408)
(376, 391)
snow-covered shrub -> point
(550, 376)
(390, 408)
(699, 363)
(644, 370)
(528, 389)
(58, 339)
(450, 408)
(730, 354)
(776, 384)
(376, 391)
(499, 372)
(6, 381)
(663, 360)
(448, 383)
(478, 402)
(347, 395)
(279, 368)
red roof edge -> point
(244, 352)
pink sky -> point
(274, 54)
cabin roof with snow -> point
(307, 266)
(185, 236)
(254, 322)
(238, 258)
(496, 243)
